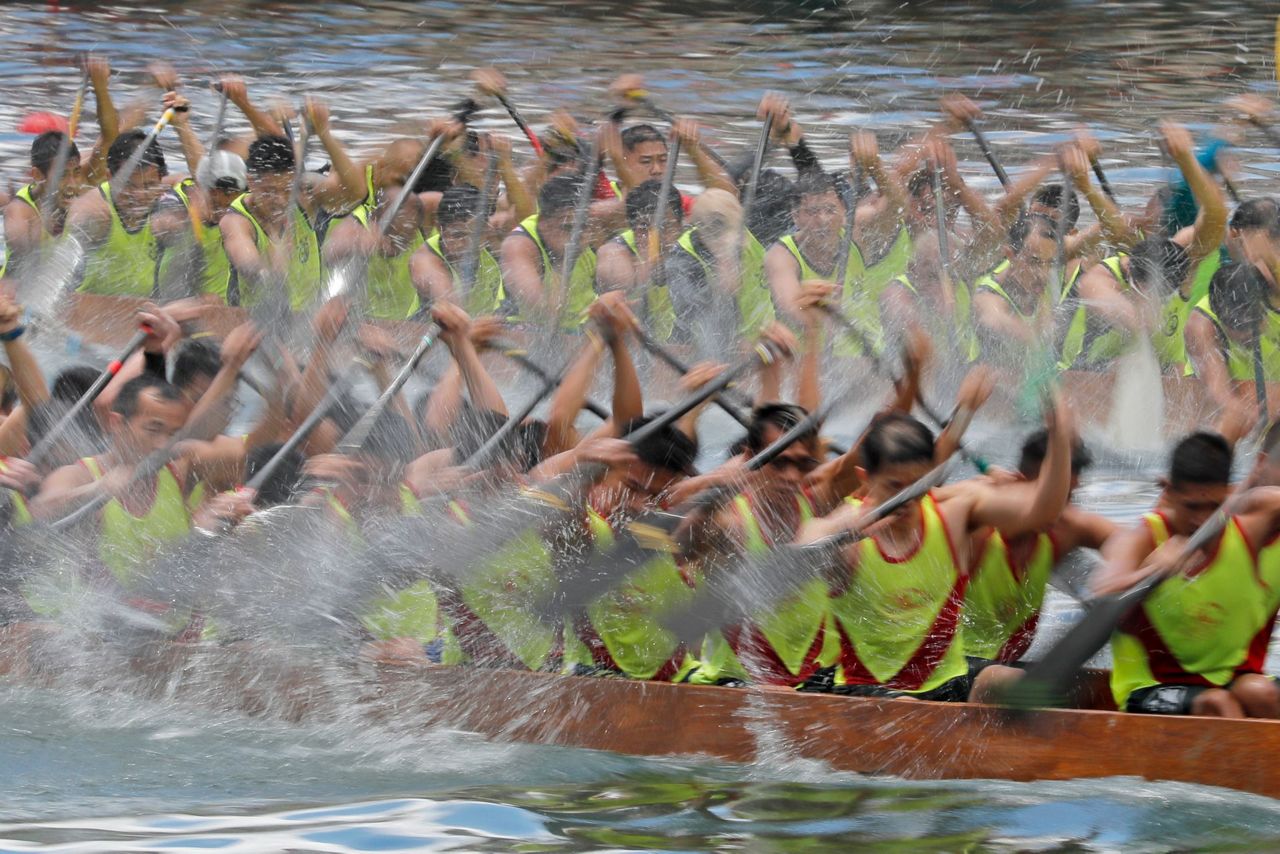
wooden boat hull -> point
(903, 738)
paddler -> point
(897, 596)
(625, 263)
(1197, 644)
(386, 255)
(436, 267)
(25, 226)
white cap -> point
(222, 170)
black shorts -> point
(1164, 699)
(952, 691)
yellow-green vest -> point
(302, 279)
(1198, 628)
(1071, 347)
(127, 542)
(1002, 604)
(753, 298)
(215, 269)
(125, 263)
(582, 281)
(24, 194)
(660, 314)
(1239, 355)
(390, 289)
(489, 295)
(899, 619)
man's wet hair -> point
(284, 484)
(558, 195)
(1236, 296)
(126, 402)
(1157, 262)
(894, 439)
(438, 177)
(471, 429)
(1021, 229)
(1036, 447)
(815, 183)
(458, 204)
(783, 416)
(1050, 196)
(640, 134)
(668, 449)
(44, 150)
(196, 357)
(124, 146)
(1261, 214)
(643, 200)
(83, 435)
(72, 383)
(270, 155)
(1201, 459)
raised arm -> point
(262, 122)
(524, 203)
(712, 175)
(344, 187)
(881, 216)
(1210, 226)
(1010, 509)
(455, 332)
(108, 118)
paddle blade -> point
(1137, 400)
(1047, 681)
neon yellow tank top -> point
(24, 194)
(1239, 355)
(215, 269)
(622, 629)
(1198, 628)
(302, 279)
(899, 618)
(1002, 603)
(391, 293)
(582, 281)
(660, 314)
(125, 264)
(126, 542)
(489, 296)
(753, 298)
(1072, 344)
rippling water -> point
(100, 772)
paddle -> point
(46, 443)
(657, 272)
(1102, 178)
(581, 209)
(840, 270)
(522, 359)
(475, 239)
(675, 363)
(851, 327)
(1047, 680)
(356, 437)
(980, 138)
(520, 122)
(753, 181)
(1259, 372)
(734, 594)
(483, 455)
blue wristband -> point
(13, 334)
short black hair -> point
(668, 448)
(44, 150)
(196, 357)
(126, 402)
(72, 383)
(124, 146)
(643, 200)
(285, 482)
(472, 428)
(1236, 296)
(1050, 196)
(1201, 458)
(1160, 263)
(1036, 448)
(270, 155)
(814, 182)
(639, 134)
(1021, 229)
(1257, 214)
(559, 194)
(896, 438)
(458, 204)
(783, 416)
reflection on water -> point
(1038, 68)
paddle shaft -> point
(1259, 373)
(657, 273)
(53, 184)
(1102, 178)
(840, 270)
(980, 138)
(521, 123)
(852, 328)
(676, 364)
(475, 240)
(433, 148)
(581, 210)
(753, 180)
(299, 435)
(521, 359)
(359, 432)
(42, 448)
(485, 452)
